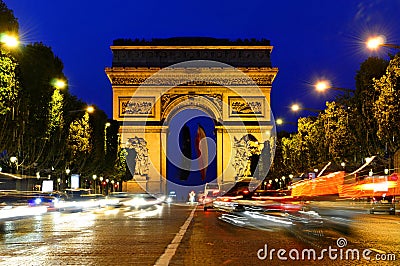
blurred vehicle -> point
(171, 197)
(211, 192)
(80, 200)
(276, 200)
(208, 199)
(76, 194)
(31, 198)
(382, 204)
(134, 200)
(229, 200)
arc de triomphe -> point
(229, 81)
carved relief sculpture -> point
(245, 148)
(142, 155)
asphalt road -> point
(177, 235)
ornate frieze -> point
(136, 106)
(246, 106)
(176, 77)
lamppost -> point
(297, 107)
(14, 164)
(101, 184)
(324, 85)
(112, 185)
(67, 171)
(90, 109)
(107, 180)
(94, 182)
(375, 42)
(280, 121)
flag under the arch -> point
(202, 151)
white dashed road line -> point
(169, 252)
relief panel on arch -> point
(136, 106)
(246, 106)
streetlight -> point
(386, 171)
(107, 180)
(280, 121)
(112, 185)
(58, 83)
(67, 171)
(14, 164)
(323, 85)
(9, 40)
(297, 107)
(375, 42)
(90, 109)
(94, 181)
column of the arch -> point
(220, 154)
(163, 159)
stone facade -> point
(152, 83)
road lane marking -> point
(169, 252)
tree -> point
(387, 105)
(291, 153)
(79, 141)
(8, 23)
(8, 82)
(338, 138)
(56, 119)
(361, 113)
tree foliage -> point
(56, 119)
(387, 105)
(79, 136)
(8, 82)
(46, 129)
(8, 22)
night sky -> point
(311, 39)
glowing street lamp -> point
(296, 107)
(375, 42)
(59, 83)
(90, 109)
(324, 85)
(9, 40)
(13, 159)
(94, 181)
(280, 121)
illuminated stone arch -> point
(144, 103)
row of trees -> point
(44, 126)
(353, 127)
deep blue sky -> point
(311, 39)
